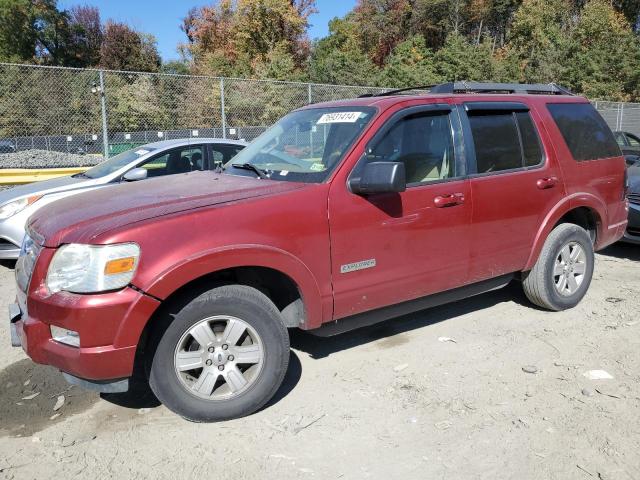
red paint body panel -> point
(199, 223)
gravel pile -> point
(47, 159)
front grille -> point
(634, 198)
(26, 262)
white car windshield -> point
(304, 146)
(117, 162)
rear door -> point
(389, 248)
(514, 183)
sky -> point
(162, 18)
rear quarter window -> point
(584, 131)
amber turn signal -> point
(119, 265)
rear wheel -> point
(561, 276)
(223, 356)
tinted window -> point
(584, 131)
(495, 137)
(177, 160)
(620, 139)
(531, 148)
(423, 143)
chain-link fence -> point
(85, 110)
(89, 111)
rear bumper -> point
(99, 320)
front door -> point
(390, 248)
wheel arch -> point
(278, 274)
(581, 209)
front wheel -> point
(562, 274)
(223, 356)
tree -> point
(17, 31)
(87, 34)
(539, 40)
(410, 64)
(233, 38)
(125, 49)
(339, 57)
(605, 54)
(458, 59)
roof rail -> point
(522, 88)
(478, 87)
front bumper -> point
(107, 349)
(632, 233)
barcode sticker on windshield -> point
(339, 117)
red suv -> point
(340, 215)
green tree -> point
(539, 40)
(411, 63)
(605, 54)
(339, 57)
(18, 33)
(123, 48)
(459, 59)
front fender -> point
(567, 204)
(222, 258)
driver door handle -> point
(448, 200)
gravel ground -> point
(47, 159)
(489, 387)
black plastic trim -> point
(366, 319)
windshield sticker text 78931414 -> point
(339, 117)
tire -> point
(542, 284)
(210, 389)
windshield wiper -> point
(81, 175)
(250, 166)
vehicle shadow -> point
(140, 394)
(318, 347)
(627, 251)
(9, 264)
(28, 395)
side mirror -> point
(380, 177)
(135, 174)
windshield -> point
(116, 163)
(306, 145)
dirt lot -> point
(392, 401)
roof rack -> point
(478, 87)
(522, 88)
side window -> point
(504, 140)
(633, 140)
(222, 153)
(423, 143)
(584, 131)
(178, 160)
(531, 148)
(495, 137)
(620, 140)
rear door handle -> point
(448, 200)
(547, 182)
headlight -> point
(92, 268)
(10, 209)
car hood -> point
(42, 188)
(84, 216)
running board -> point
(372, 317)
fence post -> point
(222, 112)
(309, 93)
(621, 115)
(103, 107)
